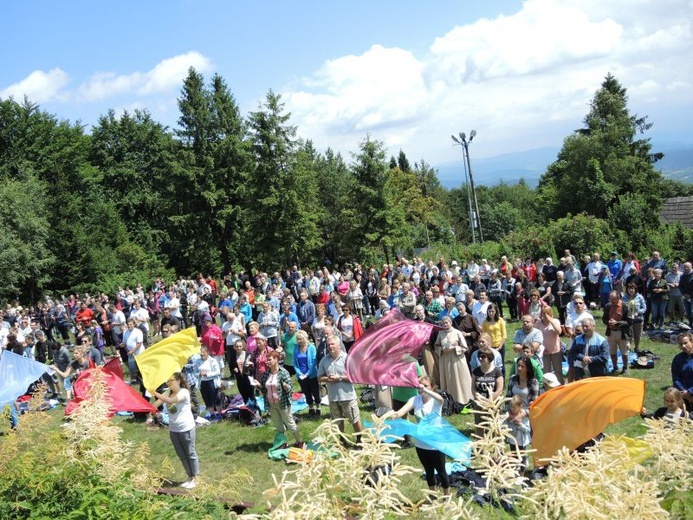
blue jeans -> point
(659, 309)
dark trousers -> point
(311, 389)
(209, 393)
(433, 461)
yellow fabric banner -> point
(162, 359)
(571, 415)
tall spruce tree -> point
(603, 161)
(283, 189)
(208, 218)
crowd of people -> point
(266, 331)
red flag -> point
(121, 396)
(114, 367)
(386, 353)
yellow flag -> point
(162, 359)
(571, 415)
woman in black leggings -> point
(426, 403)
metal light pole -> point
(469, 192)
(474, 218)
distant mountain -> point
(531, 164)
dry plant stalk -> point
(334, 484)
(604, 482)
(93, 439)
(672, 461)
(500, 464)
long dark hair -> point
(496, 316)
(528, 365)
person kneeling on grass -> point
(428, 402)
(181, 425)
(276, 388)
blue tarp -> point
(16, 374)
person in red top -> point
(213, 338)
(84, 315)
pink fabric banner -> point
(386, 353)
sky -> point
(406, 72)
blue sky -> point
(406, 72)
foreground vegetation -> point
(90, 468)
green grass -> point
(227, 446)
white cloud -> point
(522, 80)
(165, 76)
(39, 86)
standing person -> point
(494, 326)
(268, 320)
(181, 425)
(213, 339)
(682, 369)
(276, 387)
(240, 372)
(675, 308)
(635, 308)
(550, 329)
(562, 293)
(487, 381)
(289, 344)
(340, 391)
(658, 289)
(590, 352)
(133, 342)
(210, 379)
(618, 330)
(454, 374)
(428, 402)
(306, 369)
(470, 329)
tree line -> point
(133, 199)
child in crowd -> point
(673, 408)
(518, 422)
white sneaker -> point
(191, 485)
(187, 484)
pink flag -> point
(386, 353)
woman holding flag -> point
(426, 403)
(181, 425)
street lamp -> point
(474, 218)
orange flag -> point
(571, 415)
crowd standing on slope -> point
(265, 330)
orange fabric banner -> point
(571, 415)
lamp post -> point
(474, 218)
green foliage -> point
(25, 254)
(603, 161)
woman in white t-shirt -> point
(181, 425)
(426, 403)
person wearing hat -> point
(550, 381)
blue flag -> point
(434, 431)
(16, 374)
